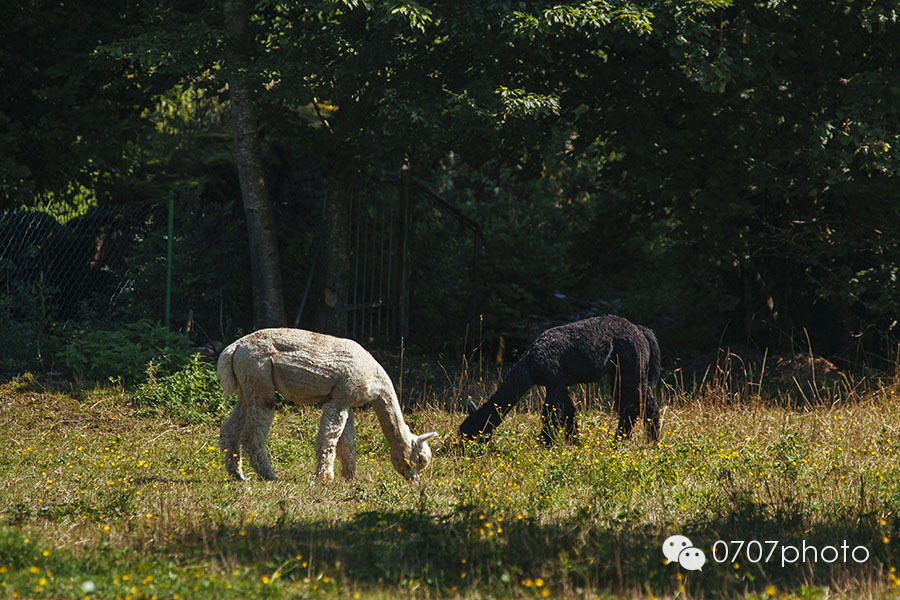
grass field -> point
(98, 500)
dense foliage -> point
(192, 393)
(122, 354)
(721, 171)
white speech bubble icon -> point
(673, 546)
(692, 559)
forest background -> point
(724, 172)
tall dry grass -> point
(98, 501)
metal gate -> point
(381, 224)
(377, 297)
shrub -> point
(28, 336)
(192, 394)
(124, 353)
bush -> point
(28, 336)
(123, 353)
(192, 394)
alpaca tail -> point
(655, 367)
(225, 370)
(480, 424)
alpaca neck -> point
(395, 429)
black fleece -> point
(579, 352)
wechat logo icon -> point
(679, 549)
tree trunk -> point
(265, 266)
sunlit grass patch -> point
(109, 494)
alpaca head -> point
(419, 456)
(479, 425)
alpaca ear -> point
(427, 436)
(470, 404)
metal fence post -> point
(169, 235)
(405, 206)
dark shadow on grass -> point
(380, 550)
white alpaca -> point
(311, 368)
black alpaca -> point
(579, 352)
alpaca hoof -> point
(325, 477)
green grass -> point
(99, 499)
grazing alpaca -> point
(311, 368)
(579, 352)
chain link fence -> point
(414, 259)
(76, 266)
(107, 266)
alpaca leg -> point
(548, 424)
(651, 416)
(331, 426)
(629, 411)
(552, 412)
(626, 423)
(256, 430)
(649, 408)
(346, 448)
(570, 420)
(229, 441)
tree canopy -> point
(719, 170)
